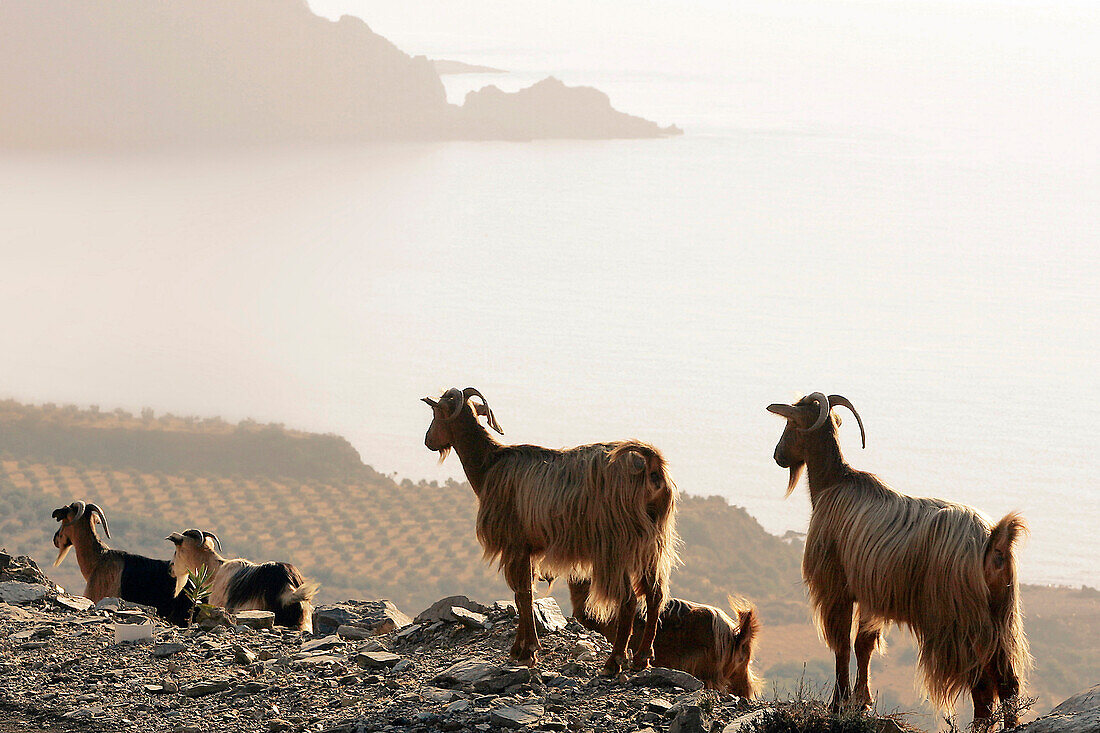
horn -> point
(459, 398)
(213, 536)
(78, 508)
(787, 411)
(472, 392)
(835, 399)
(99, 512)
(823, 412)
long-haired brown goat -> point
(603, 512)
(240, 585)
(114, 573)
(698, 639)
(943, 569)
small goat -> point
(604, 512)
(698, 639)
(114, 573)
(240, 585)
(943, 569)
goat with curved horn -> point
(942, 569)
(605, 512)
(116, 573)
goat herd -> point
(603, 517)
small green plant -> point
(200, 583)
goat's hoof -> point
(640, 663)
(613, 667)
(524, 657)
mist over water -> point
(929, 253)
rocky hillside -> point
(365, 667)
(133, 73)
(365, 536)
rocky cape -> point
(69, 665)
(133, 73)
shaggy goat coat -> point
(926, 563)
(588, 513)
(702, 640)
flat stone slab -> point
(744, 723)
(472, 619)
(167, 649)
(18, 592)
(256, 619)
(200, 689)
(466, 672)
(517, 716)
(665, 677)
(377, 660)
(548, 616)
(328, 642)
(442, 610)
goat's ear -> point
(175, 538)
(482, 410)
(60, 514)
(430, 402)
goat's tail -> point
(1012, 656)
(736, 648)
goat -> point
(943, 569)
(604, 511)
(114, 573)
(698, 639)
(240, 585)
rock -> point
(200, 689)
(516, 717)
(84, 713)
(1077, 714)
(22, 568)
(441, 610)
(318, 660)
(73, 603)
(744, 723)
(258, 620)
(401, 666)
(210, 617)
(408, 631)
(276, 725)
(353, 633)
(691, 719)
(130, 632)
(186, 729)
(466, 672)
(17, 592)
(658, 705)
(167, 649)
(328, 642)
(243, 655)
(503, 678)
(377, 660)
(472, 619)
(583, 651)
(548, 616)
(436, 694)
(664, 677)
(456, 707)
(378, 617)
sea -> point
(895, 201)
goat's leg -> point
(654, 598)
(624, 625)
(836, 623)
(983, 694)
(517, 573)
(1008, 690)
(867, 638)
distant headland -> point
(130, 73)
(447, 66)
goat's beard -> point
(443, 453)
(796, 473)
(181, 582)
(61, 555)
